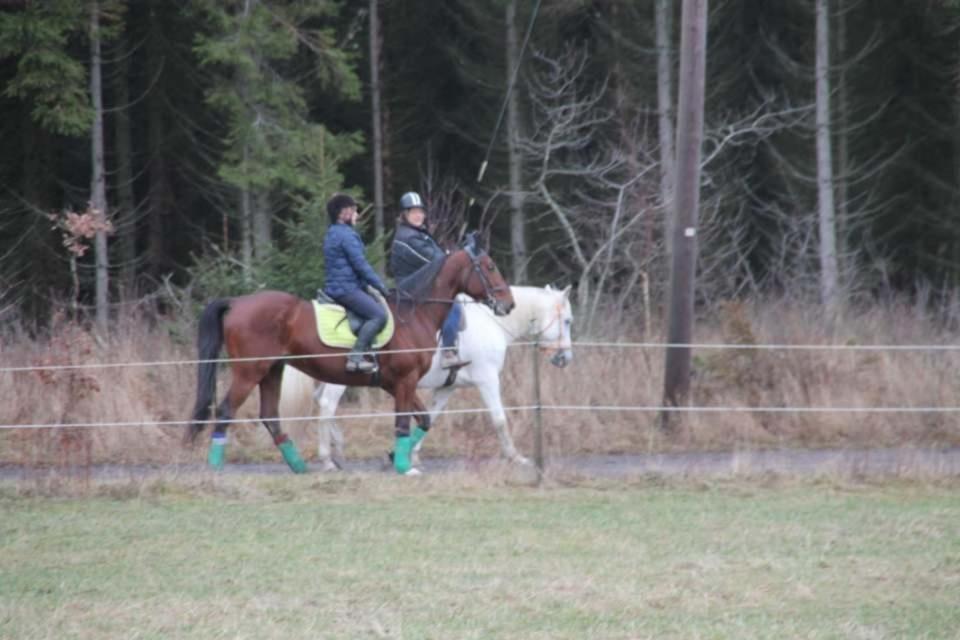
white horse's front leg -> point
(489, 387)
(438, 401)
(328, 398)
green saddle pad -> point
(334, 330)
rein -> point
(488, 289)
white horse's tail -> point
(296, 394)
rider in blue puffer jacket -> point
(348, 274)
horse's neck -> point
(444, 289)
(523, 320)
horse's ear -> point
(471, 244)
(566, 291)
(549, 287)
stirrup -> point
(451, 361)
(361, 366)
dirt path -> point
(802, 462)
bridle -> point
(559, 345)
(489, 291)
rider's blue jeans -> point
(448, 333)
(363, 304)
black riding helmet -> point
(338, 203)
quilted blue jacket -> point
(346, 268)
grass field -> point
(462, 556)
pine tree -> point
(251, 49)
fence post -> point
(537, 414)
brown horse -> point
(263, 330)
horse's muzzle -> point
(562, 358)
(501, 308)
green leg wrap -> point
(417, 435)
(218, 449)
(292, 456)
(401, 454)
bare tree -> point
(693, 57)
(829, 270)
(580, 183)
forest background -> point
(158, 154)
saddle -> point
(337, 326)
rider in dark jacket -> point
(348, 273)
(414, 249)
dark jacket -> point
(413, 248)
(346, 268)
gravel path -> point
(802, 462)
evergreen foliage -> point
(246, 115)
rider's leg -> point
(449, 357)
(364, 305)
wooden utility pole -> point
(693, 55)
(375, 43)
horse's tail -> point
(209, 342)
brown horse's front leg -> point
(420, 432)
(245, 377)
(405, 395)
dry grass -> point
(598, 376)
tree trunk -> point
(686, 200)
(664, 19)
(843, 136)
(518, 223)
(98, 187)
(828, 232)
(262, 225)
(246, 224)
(158, 194)
(257, 223)
(955, 275)
(126, 222)
(376, 45)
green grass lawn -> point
(472, 557)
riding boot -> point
(450, 358)
(356, 362)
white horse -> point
(542, 314)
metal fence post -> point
(537, 414)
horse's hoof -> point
(386, 462)
(412, 472)
(329, 466)
(338, 462)
(522, 461)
